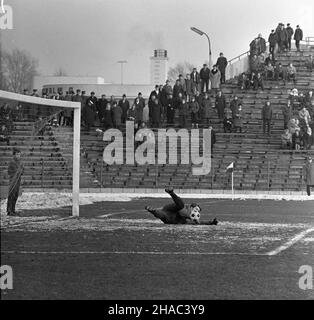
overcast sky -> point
(88, 37)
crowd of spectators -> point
(298, 115)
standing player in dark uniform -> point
(15, 171)
(178, 212)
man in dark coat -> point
(170, 110)
(139, 107)
(309, 175)
(234, 103)
(195, 77)
(282, 37)
(204, 76)
(287, 114)
(267, 115)
(272, 39)
(177, 88)
(15, 171)
(124, 105)
(298, 36)
(290, 34)
(222, 64)
(220, 105)
(156, 113)
(101, 107)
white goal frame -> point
(76, 106)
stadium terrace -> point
(145, 152)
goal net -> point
(46, 132)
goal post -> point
(50, 107)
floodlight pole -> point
(201, 33)
(121, 63)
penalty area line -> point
(290, 243)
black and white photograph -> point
(156, 156)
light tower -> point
(159, 67)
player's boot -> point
(169, 190)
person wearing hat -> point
(308, 175)
(298, 36)
(267, 115)
(222, 64)
(204, 76)
(290, 34)
(15, 171)
(195, 77)
(272, 39)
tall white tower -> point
(159, 67)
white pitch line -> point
(290, 243)
(192, 253)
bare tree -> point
(60, 72)
(18, 70)
(180, 68)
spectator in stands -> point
(194, 109)
(258, 82)
(289, 34)
(255, 64)
(269, 72)
(293, 125)
(88, 115)
(156, 114)
(282, 37)
(116, 115)
(215, 77)
(294, 99)
(258, 46)
(195, 77)
(272, 39)
(287, 114)
(206, 106)
(139, 107)
(227, 122)
(84, 98)
(310, 63)
(291, 72)
(131, 115)
(189, 87)
(151, 104)
(4, 134)
(269, 59)
(280, 73)
(298, 36)
(124, 105)
(238, 119)
(308, 174)
(212, 139)
(296, 140)
(15, 171)
(204, 76)
(267, 115)
(170, 110)
(177, 88)
(183, 112)
(182, 82)
(166, 92)
(77, 97)
(220, 105)
(108, 121)
(234, 103)
(286, 140)
(155, 92)
(243, 81)
(222, 65)
(101, 107)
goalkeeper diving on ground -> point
(178, 212)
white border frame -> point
(76, 136)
